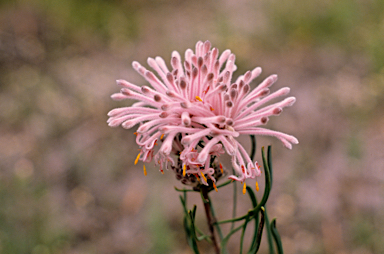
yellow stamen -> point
(212, 109)
(155, 142)
(203, 176)
(162, 136)
(257, 186)
(184, 168)
(214, 186)
(137, 158)
(221, 168)
(197, 176)
(198, 98)
(135, 133)
(145, 170)
(162, 171)
(244, 188)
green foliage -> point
(354, 26)
(367, 233)
(24, 223)
(162, 237)
(258, 214)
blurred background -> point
(67, 181)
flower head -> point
(194, 112)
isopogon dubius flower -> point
(194, 112)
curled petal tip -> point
(256, 72)
(118, 96)
(135, 64)
(127, 124)
(292, 100)
(111, 113)
(286, 89)
(151, 61)
(272, 79)
(112, 125)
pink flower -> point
(194, 112)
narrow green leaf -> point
(269, 158)
(192, 224)
(243, 233)
(231, 220)
(224, 184)
(217, 226)
(194, 212)
(183, 203)
(269, 234)
(194, 247)
(193, 236)
(184, 190)
(188, 223)
(191, 240)
(252, 196)
(277, 237)
(256, 244)
(225, 240)
(267, 188)
(204, 237)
